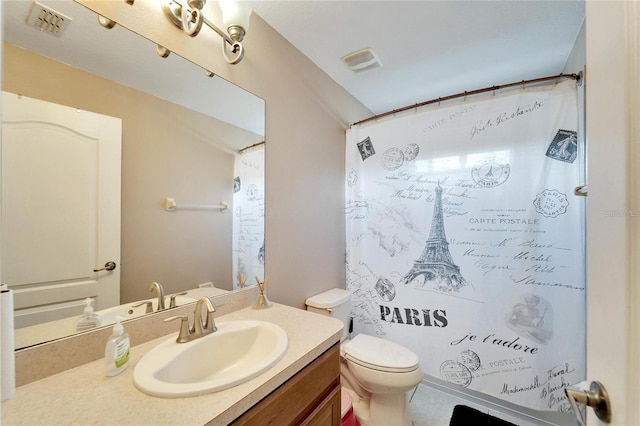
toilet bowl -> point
(377, 373)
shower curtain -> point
(465, 241)
(248, 217)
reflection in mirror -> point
(183, 135)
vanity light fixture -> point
(235, 16)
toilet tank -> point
(335, 303)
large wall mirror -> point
(189, 183)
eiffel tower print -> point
(435, 262)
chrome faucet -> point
(157, 287)
(199, 328)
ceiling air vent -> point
(48, 20)
(362, 60)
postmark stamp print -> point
(564, 146)
(386, 290)
(411, 151)
(470, 359)
(366, 148)
(490, 172)
(551, 203)
(392, 159)
(456, 373)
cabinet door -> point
(328, 412)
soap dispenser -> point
(116, 354)
(88, 320)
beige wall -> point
(307, 114)
(165, 154)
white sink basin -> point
(237, 352)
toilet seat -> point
(380, 354)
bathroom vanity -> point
(302, 388)
(311, 397)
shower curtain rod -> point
(574, 76)
(250, 146)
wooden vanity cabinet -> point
(311, 397)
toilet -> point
(376, 372)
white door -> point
(613, 205)
(60, 208)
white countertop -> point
(85, 395)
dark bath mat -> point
(467, 416)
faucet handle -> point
(210, 322)
(149, 304)
(172, 302)
(183, 336)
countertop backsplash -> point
(40, 361)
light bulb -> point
(235, 14)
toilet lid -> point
(328, 299)
(380, 354)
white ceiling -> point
(429, 49)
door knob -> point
(109, 266)
(596, 397)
